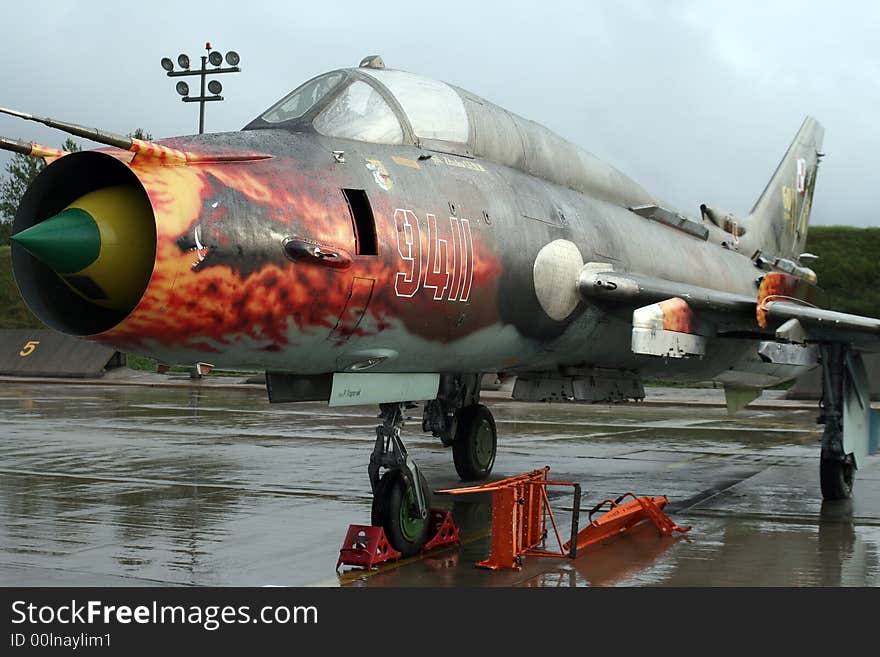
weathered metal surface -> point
(638, 288)
(789, 354)
(672, 219)
(861, 423)
(457, 279)
(586, 387)
(827, 324)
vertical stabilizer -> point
(778, 223)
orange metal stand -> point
(521, 509)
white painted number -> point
(448, 266)
(801, 176)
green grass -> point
(13, 312)
(143, 363)
(147, 364)
(848, 267)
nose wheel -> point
(396, 510)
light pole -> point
(215, 59)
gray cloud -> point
(696, 100)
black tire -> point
(476, 441)
(395, 510)
(836, 479)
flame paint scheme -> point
(448, 237)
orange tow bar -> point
(621, 517)
(521, 509)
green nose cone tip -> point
(68, 242)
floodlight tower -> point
(215, 59)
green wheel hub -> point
(473, 450)
(412, 525)
(484, 444)
(395, 509)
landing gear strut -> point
(400, 496)
(460, 421)
(836, 469)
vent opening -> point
(362, 221)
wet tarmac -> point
(121, 486)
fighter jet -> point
(377, 237)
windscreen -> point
(302, 99)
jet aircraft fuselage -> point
(378, 237)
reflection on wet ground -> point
(123, 486)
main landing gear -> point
(401, 498)
(459, 419)
(836, 468)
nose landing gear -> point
(401, 495)
(401, 499)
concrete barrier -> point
(43, 352)
(809, 385)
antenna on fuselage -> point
(372, 61)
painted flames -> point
(221, 277)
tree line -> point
(21, 171)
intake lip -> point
(52, 300)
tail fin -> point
(778, 223)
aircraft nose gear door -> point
(400, 497)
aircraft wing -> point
(668, 312)
(627, 292)
(822, 325)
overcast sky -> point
(696, 100)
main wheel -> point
(836, 479)
(476, 440)
(396, 510)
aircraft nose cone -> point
(102, 245)
(68, 242)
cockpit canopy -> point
(383, 106)
(377, 106)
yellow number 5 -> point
(29, 348)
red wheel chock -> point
(442, 529)
(368, 547)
